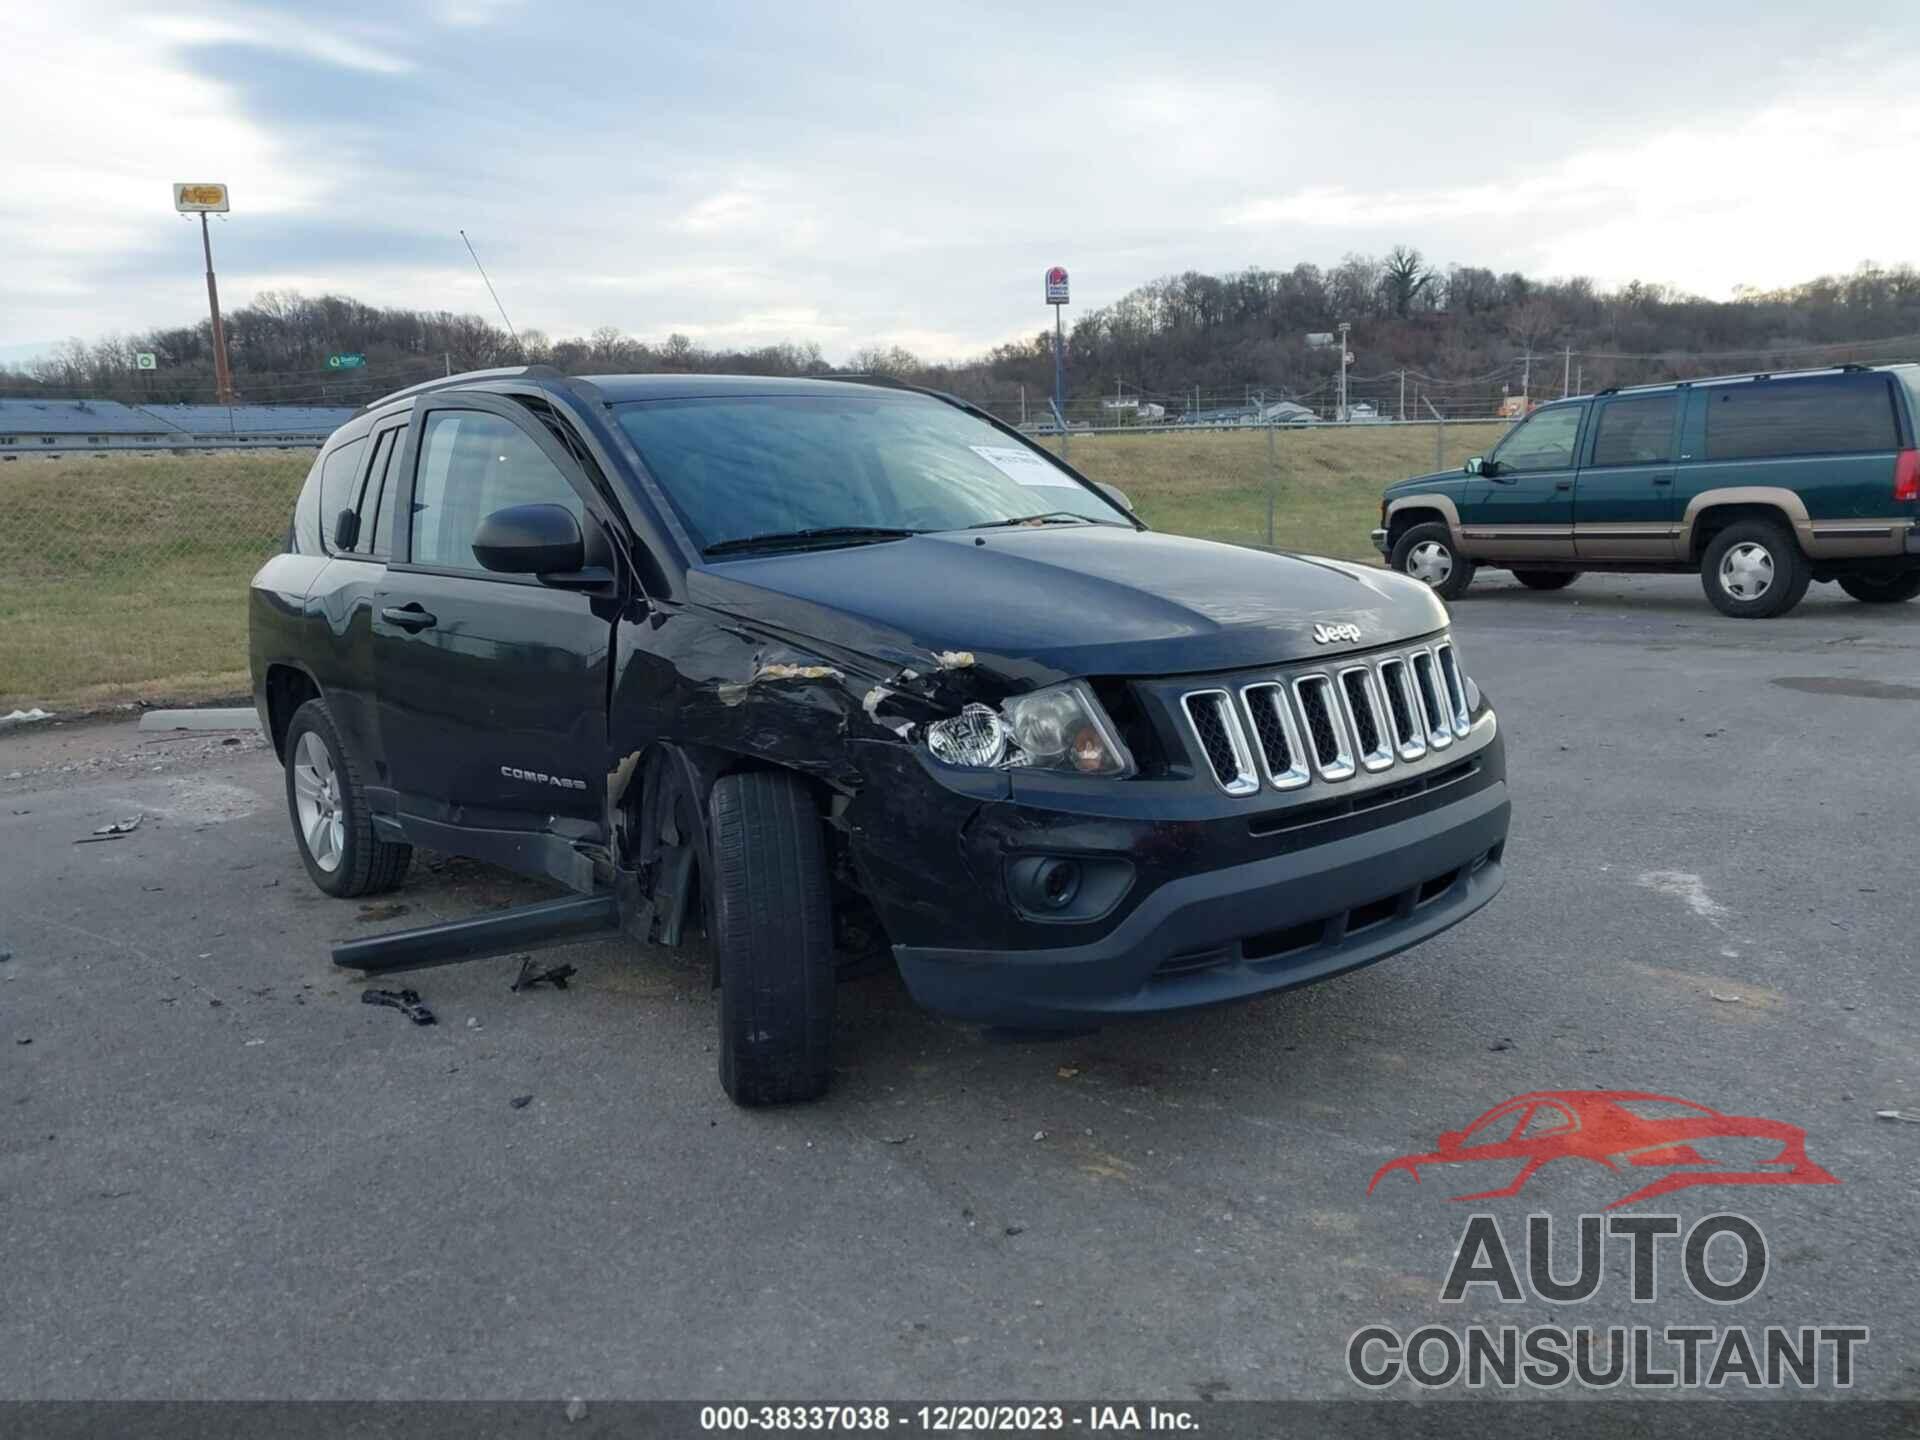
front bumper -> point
(1243, 930)
(1379, 539)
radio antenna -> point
(490, 290)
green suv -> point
(1763, 483)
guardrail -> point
(167, 445)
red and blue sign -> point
(1057, 285)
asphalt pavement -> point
(221, 1175)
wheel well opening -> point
(1402, 521)
(1710, 522)
(287, 690)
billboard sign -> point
(144, 360)
(198, 199)
(345, 362)
(1057, 285)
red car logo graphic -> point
(1617, 1128)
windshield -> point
(742, 467)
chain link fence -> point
(124, 577)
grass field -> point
(124, 577)
(1326, 482)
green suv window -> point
(1543, 441)
(1635, 431)
(1800, 417)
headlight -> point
(1059, 728)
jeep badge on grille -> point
(1327, 634)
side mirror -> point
(1116, 494)
(346, 529)
(1474, 466)
(530, 540)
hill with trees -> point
(1459, 340)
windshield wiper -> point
(1047, 517)
(828, 534)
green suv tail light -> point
(1906, 475)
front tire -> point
(332, 824)
(1427, 553)
(772, 926)
(1546, 579)
(1753, 570)
(1882, 589)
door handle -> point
(1563, 484)
(1663, 479)
(409, 616)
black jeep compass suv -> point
(804, 663)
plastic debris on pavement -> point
(407, 1002)
(112, 831)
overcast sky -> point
(902, 173)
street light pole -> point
(1344, 328)
(222, 376)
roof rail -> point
(467, 377)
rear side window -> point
(1799, 417)
(338, 473)
(1636, 431)
(370, 541)
(472, 464)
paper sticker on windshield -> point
(1023, 466)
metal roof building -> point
(41, 427)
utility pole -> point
(222, 376)
(1403, 394)
(1526, 381)
(1344, 328)
(1023, 402)
(1566, 373)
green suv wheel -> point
(1426, 553)
(1882, 589)
(1753, 570)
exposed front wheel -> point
(772, 926)
(1882, 589)
(1546, 579)
(1753, 570)
(328, 806)
(1426, 553)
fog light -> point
(1058, 882)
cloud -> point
(753, 172)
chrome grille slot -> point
(1364, 714)
(1288, 730)
(1275, 735)
(1224, 743)
(1456, 687)
(1433, 705)
(1409, 736)
(1326, 736)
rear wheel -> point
(1753, 570)
(1882, 589)
(1427, 553)
(328, 805)
(772, 926)
(1546, 579)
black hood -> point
(1045, 603)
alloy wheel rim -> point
(1430, 561)
(1746, 570)
(316, 802)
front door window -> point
(1543, 441)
